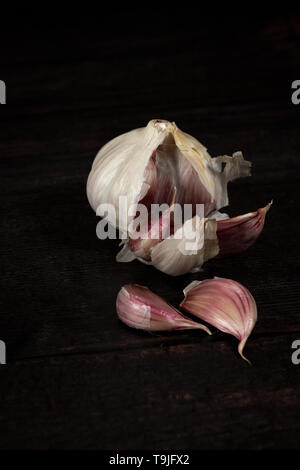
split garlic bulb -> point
(167, 157)
(160, 164)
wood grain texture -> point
(155, 398)
(76, 377)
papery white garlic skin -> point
(239, 233)
(138, 307)
(225, 304)
(171, 255)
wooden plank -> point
(96, 84)
(251, 128)
(230, 36)
(55, 70)
(194, 396)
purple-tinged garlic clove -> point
(239, 233)
(225, 304)
(138, 307)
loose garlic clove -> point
(238, 233)
(225, 304)
(138, 307)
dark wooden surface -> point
(76, 377)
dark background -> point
(76, 377)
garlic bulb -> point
(152, 161)
(138, 307)
(225, 304)
(160, 164)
